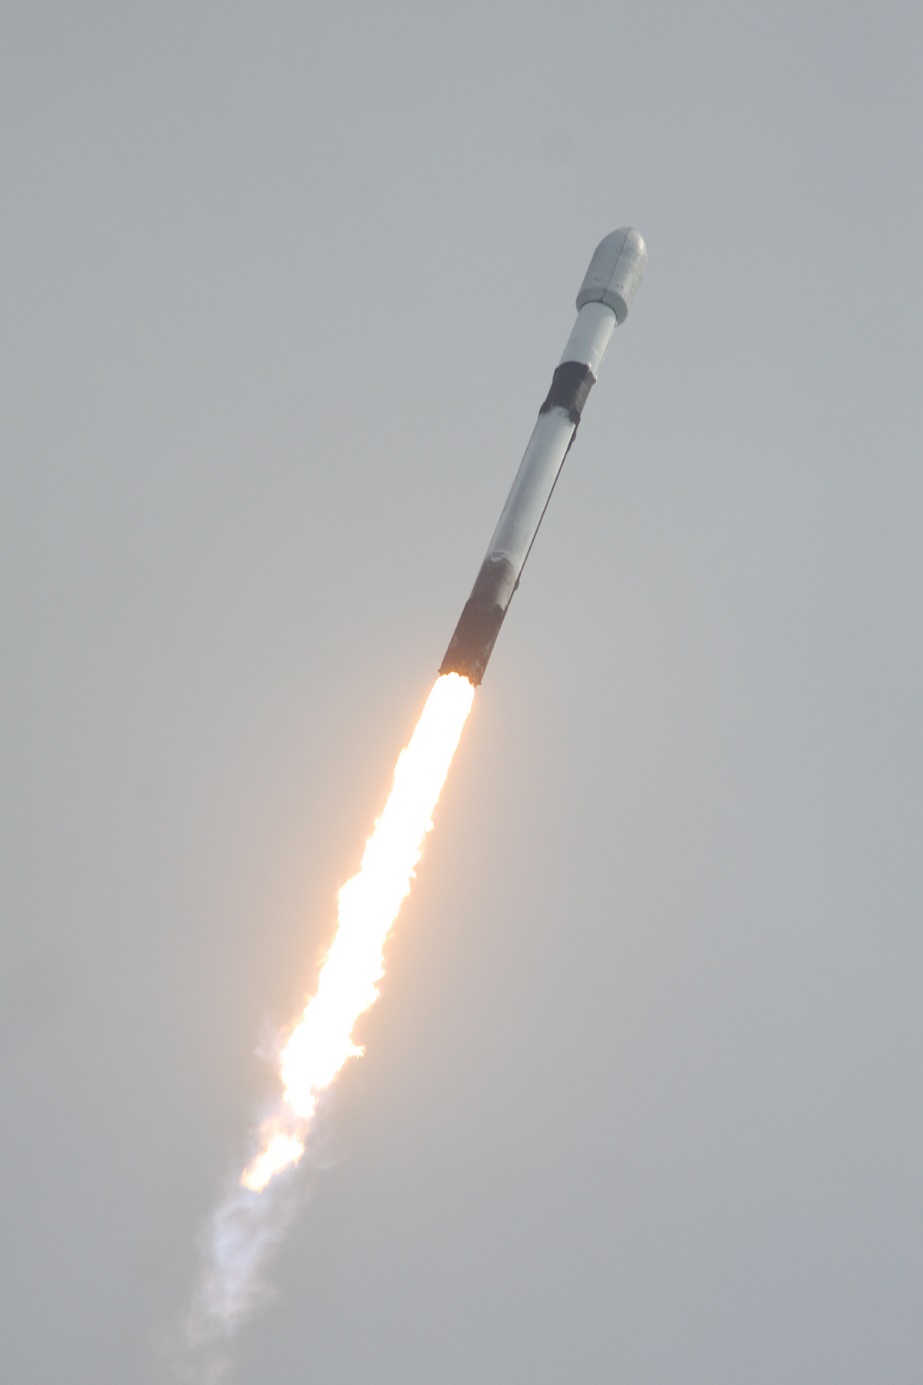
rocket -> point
(602, 303)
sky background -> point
(283, 287)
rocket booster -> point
(602, 303)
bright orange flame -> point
(347, 986)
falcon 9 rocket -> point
(603, 302)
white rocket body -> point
(603, 302)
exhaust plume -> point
(251, 1219)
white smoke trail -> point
(237, 1245)
(251, 1219)
(241, 1234)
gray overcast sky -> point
(283, 288)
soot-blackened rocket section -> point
(602, 303)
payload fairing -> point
(603, 302)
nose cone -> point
(615, 272)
